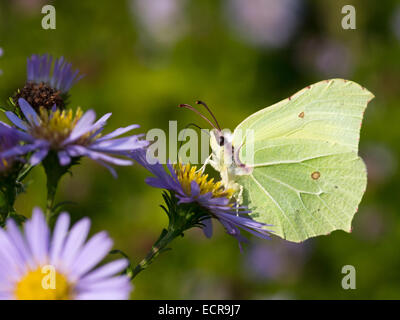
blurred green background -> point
(144, 57)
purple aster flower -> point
(35, 265)
(62, 78)
(47, 85)
(191, 186)
(10, 169)
(72, 136)
(10, 138)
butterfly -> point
(295, 164)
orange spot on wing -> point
(315, 175)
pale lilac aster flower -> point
(396, 22)
(28, 7)
(276, 260)
(266, 23)
(72, 136)
(328, 57)
(162, 21)
(35, 264)
(372, 224)
(191, 186)
(381, 163)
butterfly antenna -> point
(191, 125)
(186, 106)
(198, 127)
(209, 111)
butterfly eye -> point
(221, 141)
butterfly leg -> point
(239, 199)
(240, 195)
(207, 161)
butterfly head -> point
(224, 155)
(221, 144)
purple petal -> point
(103, 157)
(18, 151)
(108, 270)
(194, 189)
(121, 144)
(38, 156)
(118, 132)
(74, 242)
(101, 122)
(120, 291)
(37, 235)
(109, 284)
(75, 150)
(207, 229)
(29, 113)
(19, 242)
(17, 121)
(157, 183)
(64, 158)
(109, 168)
(233, 231)
(82, 127)
(92, 253)
(59, 236)
(87, 126)
(10, 262)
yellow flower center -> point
(43, 283)
(56, 126)
(187, 173)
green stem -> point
(159, 246)
(51, 195)
(8, 194)
(10, 186)
(54, 172)
(182, 217)
(7, 199)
